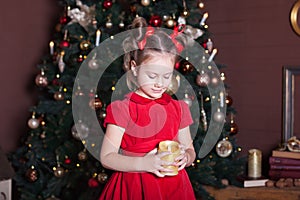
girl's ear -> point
(133, 67)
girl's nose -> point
(158, 84)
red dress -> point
(146, 123)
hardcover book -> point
(276, 174)
(286, 154)
(283, 161)
(285, 167)
(253, 182)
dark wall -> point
(254, 39)
(26, 29)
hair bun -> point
(139, 22)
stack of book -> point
(284, 164)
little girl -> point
(147, 116)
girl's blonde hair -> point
(158, 42)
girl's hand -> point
(152, 163)
(182, 159)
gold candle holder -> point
(173, 147)
(254, 163)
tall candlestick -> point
(98, 35)
(205, 16)
(254, 163)
(51, 45)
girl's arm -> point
(185, 139)
(111, 159)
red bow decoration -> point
(149, 32)
(173, 36)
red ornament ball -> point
(63, 20)
(93, 183)
(64, 44)
(80, 59)
(55, 81)
(155, 20)
(67, 161)
(107, 4)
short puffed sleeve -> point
(117, 113)
(186, 118)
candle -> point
(173, 147)
(98, 34)
(221, 99)
(205, 16)
(51, 45)
(254, 163)
(214, 52)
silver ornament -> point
(219, 116)
(94, 64)
(224, 148)
(202, 79)
(80, 131)
(33, 123)
(145, 2)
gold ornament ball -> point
(59, 172)
(185, 13)
(170, 23)
(58, 96)
(82, 156)
(102, 177)
(145, 2)
(228, 101)
(31, 175)
(85, 45)
(41, 80)
(233, 128)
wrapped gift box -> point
(6, 189)
(6, 174)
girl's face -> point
(154, 75)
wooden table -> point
(255, 193)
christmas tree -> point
(59, 155)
